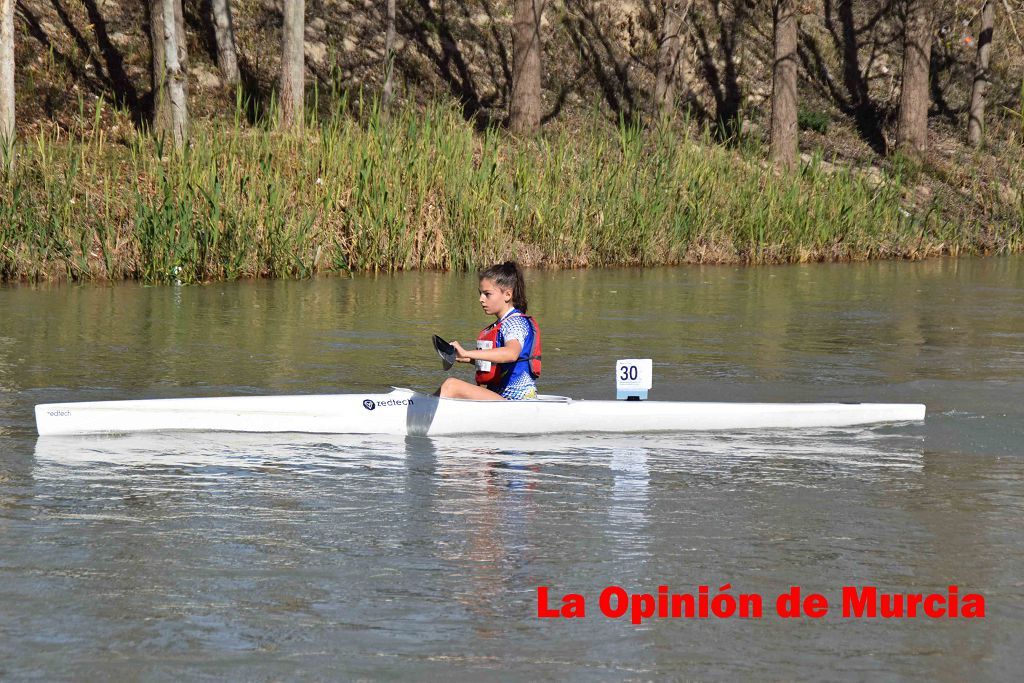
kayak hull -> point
(410, 413)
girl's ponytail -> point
(508, 275)
(519, 291)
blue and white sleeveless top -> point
(521, 384)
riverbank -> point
(422, 188)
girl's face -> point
(493, 299)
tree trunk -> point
(293, 63)
(912, 134)
(784, 97)
(174, 77)
(7, 83)
(389, 55)
(524, 108)
(161, 105)
(179, 31)
(163, 117)
(979, 92)
(224, 31)
(670, 56)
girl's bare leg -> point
(456, 388)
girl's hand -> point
(460, 353)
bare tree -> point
(389, 54)
(524, 106)
(179, 29)
(173, 76)
(293, 63)
(722, 29)
(1013, 27)
(912, 134)
(224, 32)
(7, 83)
(161, 103)
(979, 90)
(163, 117)
(784, 76)
(670, 56)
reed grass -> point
(420, 188)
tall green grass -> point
(420, 188)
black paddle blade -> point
(446, 351)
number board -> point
(633, 377)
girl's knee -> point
(449, 387)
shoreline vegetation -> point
(420, 187)
(560, 134)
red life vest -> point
(498, 374)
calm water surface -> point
(262, 557)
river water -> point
(266, 557)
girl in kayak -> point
(508, 351)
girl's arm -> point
(503, 354)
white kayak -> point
(405, 412)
